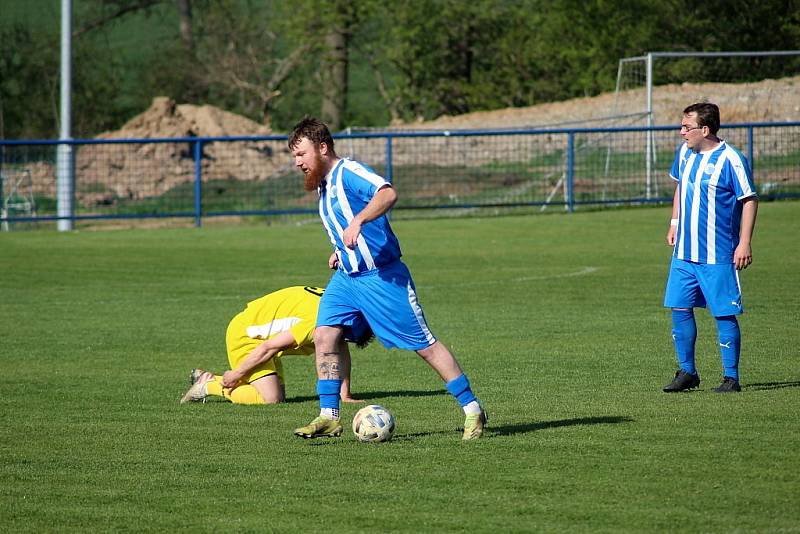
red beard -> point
(311, 181)
(315, 174)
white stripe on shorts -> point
(412, 300)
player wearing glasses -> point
(713, 217)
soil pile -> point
(763, 101)
(138, 170)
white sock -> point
(472, 408)
(330, 413)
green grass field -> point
(557, 320)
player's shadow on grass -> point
(506, 430)
(369, 396)
(762, 386)
(522, 428)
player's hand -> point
(671, 233)
(742, 256)
(230, 379)
(333, 261)
(351, 400)
(351, 234)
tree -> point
(241, 57)
(336, 22)
(339, 22)
(28, 84)
(186, 25)
(275, 61)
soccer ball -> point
(373, 424)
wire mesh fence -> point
(193, 179)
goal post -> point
(637, 76)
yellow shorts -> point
(240, 345)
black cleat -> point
(729, 385)
(683, 381)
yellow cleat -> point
(473, 426)
(321, 427)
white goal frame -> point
(649, 60)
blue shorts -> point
(695, 285)
(386, 298)
(358, 330)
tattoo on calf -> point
(328, 366)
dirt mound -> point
(763, 101)
(140, 170)
(164, 119)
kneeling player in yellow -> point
(272, 326)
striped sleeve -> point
(742, 175)
(675, 172)
(362, 181)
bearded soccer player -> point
(713, 217)
(370, 282)
(269, 328)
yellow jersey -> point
(292, 309)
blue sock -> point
(730, 343)
(328, 391)
(459, 388)
(684, 334)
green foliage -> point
(29, 86)
(556, 319)
(407, 60)
(28, 73)
(107, 64)
(740, 25)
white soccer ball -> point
(373, 424)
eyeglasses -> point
(689, 129)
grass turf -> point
(557, 320)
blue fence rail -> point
(466, 170)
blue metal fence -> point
(466, 170)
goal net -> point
(653, 89)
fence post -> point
(198, 183)
(3, 223)
(65, 186)
(65, 157)
(750, 150)
(388, 159)
(570, 171)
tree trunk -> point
(185, 17)
(334, 79)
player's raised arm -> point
(384, 199)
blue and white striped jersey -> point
(712, 185)
(346, 190)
